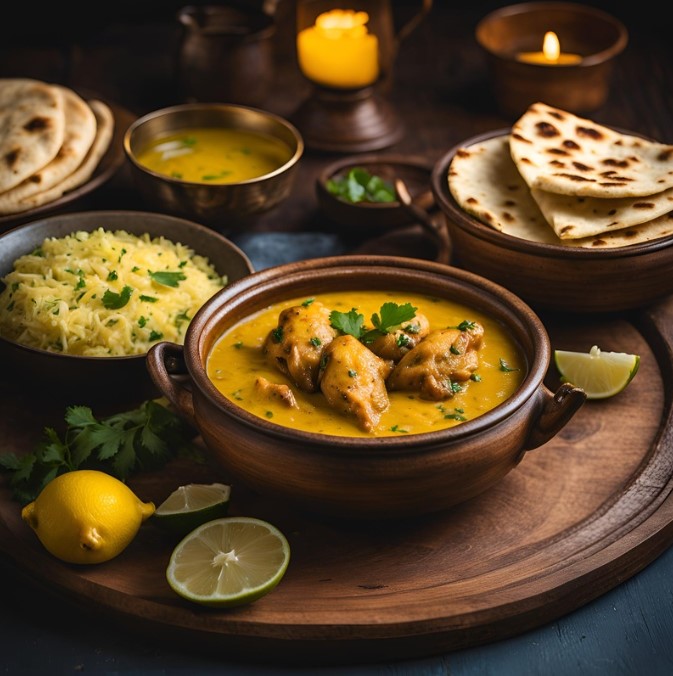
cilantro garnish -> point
(504, 366)
(387, 320)
(115, 301)
(350, 322)
(141, 439)
(358, 185)
(166, 278)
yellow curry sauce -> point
(237, 360)
(215, 155)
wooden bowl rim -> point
(206, 321)
(599, 57)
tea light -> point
(551, 54)
(574, 67)
(339, 51)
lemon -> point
(191, 505)
(599, 374)
(228, 562)
(86, 516)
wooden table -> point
(441, 93)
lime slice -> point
(229, 562)
(599, 374)
(191, 505)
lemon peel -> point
(86, 516)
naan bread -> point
(104, 131)
(573, 217)
(559, 152)
(32, 128)
(79, 134)
(485, 182)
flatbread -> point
(79, 134)
(572, 217)
(104, 131)
(32, 127)
(559, 152)
(485, 182)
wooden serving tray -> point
(577, 517)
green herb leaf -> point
(504, 366)
(350, 323)
(359, 185)
(166, 278)
(115, 301)
(390, 317)
(141, 439)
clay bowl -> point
(550, 276)
(364, 478)
(76, 379)
(409, 178)
(224, 206)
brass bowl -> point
(550, 276)
(222, 206)
(364, 478)
(77, 379)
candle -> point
(338, 51)
(551, 53)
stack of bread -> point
(561, 179)
(51, 141)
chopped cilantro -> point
(166, 278)
(504, 366)
(115, 301)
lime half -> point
(191, 505)
(229, 562)
(599, 374)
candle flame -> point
(551, 46)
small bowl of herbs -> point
(358, 192)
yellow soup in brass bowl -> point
(215, 155)
(367, 363)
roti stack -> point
(561, 179)
(51, 141)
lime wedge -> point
(191, 505)
(228, 562)
(599, 374)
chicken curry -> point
(367, 363)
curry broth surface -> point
(215, 155)
(236, 361)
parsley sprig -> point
(121, 444)
(387, 320)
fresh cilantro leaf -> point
(140, 439)
(390, 317)
(166, 278)
(115, 301)
(350, 322)
(359, 185)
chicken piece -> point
(393, 346)
(278, 391)
(442, 358)
(295, 346)
(352, 379)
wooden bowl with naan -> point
(569, 214)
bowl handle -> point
(166, 365)
(557, 410)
